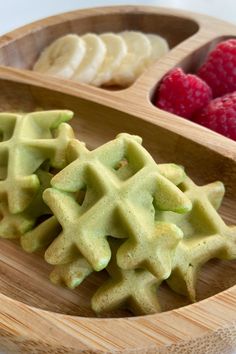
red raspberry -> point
(182, 94)
(219, 70)
(220, 115)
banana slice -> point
(62, 57)
(116, 51)
(93, 59)
(159, 47)
(139, 49)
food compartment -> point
(96, 124)
(196, 86)
(23, 51)
(192, 62)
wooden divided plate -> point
(38, 317)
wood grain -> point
(38, 317)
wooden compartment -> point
(23, 51)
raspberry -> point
(219, 70)
(182, 94)
(220, 115)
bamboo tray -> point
(38, 317)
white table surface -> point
(15, 13)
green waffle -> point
(206, 236)
(27, 140)
(73, 273)
(40, 236)
(131, 289)
(123, 189)
(14, 226)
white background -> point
(15, 13)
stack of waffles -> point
(113, 208)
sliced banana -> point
(62, 57)
(107, 59)
(116, 51)
(139, 49)
(159, 47)
(95, 54)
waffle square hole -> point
(4, 155)
(7, 130)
